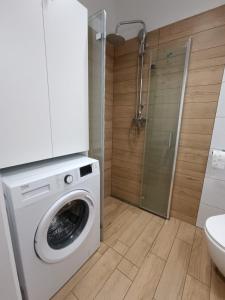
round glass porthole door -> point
(65, 226)
(68, 224)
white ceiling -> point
(156, 13)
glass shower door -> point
(97, 48)
(166, 95)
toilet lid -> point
(215, 227)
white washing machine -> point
(54, 213)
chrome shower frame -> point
(184, 86)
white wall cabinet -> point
(43, 80)
(66, 29)
(24, 105)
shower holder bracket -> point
(99, 36)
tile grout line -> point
(135, 239)
(188, 264)
(101, 255)
(107, 279)
(71, 290)
(195, 277)
(124, 255)
(154, 296)
(125, 275)
(199, 280)
(139, 267)
(211, 275)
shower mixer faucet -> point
(117, 40)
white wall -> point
(213, 194)
(9, 286)
(156, 13)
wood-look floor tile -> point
(186, 232)
(120, 224)
(129, 236)
(217, 286)
(120, 247)
(195, 290)
(141, 247)
(68, 287)
(112, 209)
(200, 263)
(103, 248)
(165, 239)
(158, 219)
(94, 280)
(108, 275)
(173, 278)
(115, 287)
(147, 279)
(71, 297)
(127, 268)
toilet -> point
(215, 235)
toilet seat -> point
(215, 228)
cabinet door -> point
(25, 133)
(66, 36)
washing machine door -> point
(65, 226)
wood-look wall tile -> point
(187, 168)
(207, 31)
(206, 76)
(129, 47)
(202, 93)
(195, 140)
(198, 126)
(191, 155)
(192, 25)
(194, 110)
(207, 58)
(209, 39)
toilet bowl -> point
(215, 235)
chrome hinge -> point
(99, 36)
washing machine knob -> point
(68, 179)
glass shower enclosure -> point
(169, 67)
(97, 50)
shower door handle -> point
(170, 139)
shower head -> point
(131, 22)
(118, 40)
(115, 39)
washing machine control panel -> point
(68, 179)
(86, 170)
